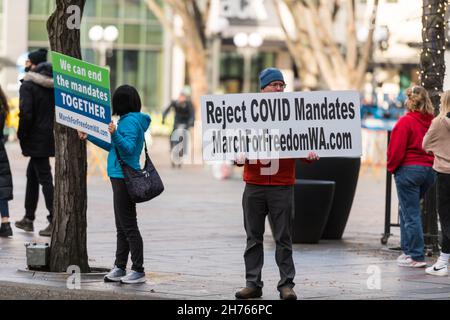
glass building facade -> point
(137, 55)
(1, 23)
(232, 64)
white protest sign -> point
(281, 125)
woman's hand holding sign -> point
(312, 156)
(111, 127)
(82, 135)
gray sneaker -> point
(115, 275)
(133, 277)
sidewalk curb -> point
(23, 291)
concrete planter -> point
(310, 217)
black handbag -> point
(142, 185)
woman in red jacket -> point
(412, 169)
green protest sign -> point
(82, 95)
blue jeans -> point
(412, 183)
(4, 209)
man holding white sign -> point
(280, 127)
(269, 190)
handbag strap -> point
(120, 159)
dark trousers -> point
(39, 172)
(128, 236)
(443, 205)
(4, 209)
(276, 201)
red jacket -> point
(405, 146)
(276, 172)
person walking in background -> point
(184, 119)
(128, 140)
(35, 133)
(437, 142)
(413, 173)
(6, 185)
(269, 191)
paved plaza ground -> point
(194, 242)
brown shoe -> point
(287, 293)
(47, 232)
(249, 293)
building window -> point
(39, 7)
(232, 65)
(109, 8)
(153, 84)
(132, 34)
(154, 34)
(137, 55)
(90, 9)
(37, 30)
(133, 9)
(130, 66)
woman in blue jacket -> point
(128, 140)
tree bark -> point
(68, 242)
(432, 71)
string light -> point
(432, 65)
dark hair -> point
(4, 108)
(125, 99)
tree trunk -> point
(68, 244)
(196, 67)
(432, 71)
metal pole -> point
(387, 210)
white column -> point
(14, 42)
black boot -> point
(25, 224)
(5, 230)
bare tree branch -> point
(352, 49)
(316, 39)
(328, 39)
(159, 14)
(367, 49)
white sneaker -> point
(402, 257)
(114, 275)
(409, 262)
(438, 269)
(133, 277)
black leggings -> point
(128, 236)
(39, 172)
(443, 205)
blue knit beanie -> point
(268, 75)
